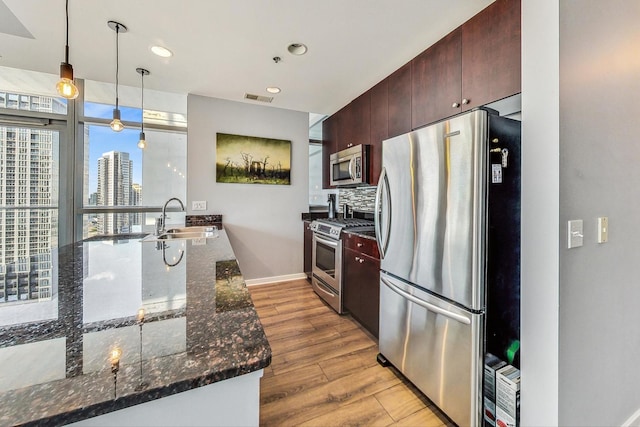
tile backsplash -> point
(360, 198)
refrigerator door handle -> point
(425, 304)
(383, 182)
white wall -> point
(580, 340)
(599, 176)
(263, 221)
(540, 224)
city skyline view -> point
(28, 195)
(103, 140)
(113, 174)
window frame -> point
(54, 122)
(70, 128)
(80, 209)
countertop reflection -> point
(127, 322)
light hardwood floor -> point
(324, 370)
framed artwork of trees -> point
(252, 160)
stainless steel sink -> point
(194, 229)
(204, 232)
(185, 235)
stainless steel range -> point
(326, 277)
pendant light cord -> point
(66, 46)
(117, 61)
(142, 104)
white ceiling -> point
(224, 48)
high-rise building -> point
(28, 201)
(136, 200)
(115, 172)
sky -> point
(102, 140)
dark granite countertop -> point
(366, 234)
(199, 326)
(310, 216)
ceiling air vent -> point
(258, 97)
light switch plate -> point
(575, 234)
(603, 229)
(199, 205)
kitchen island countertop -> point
(178, 315)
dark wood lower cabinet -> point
(308, 247)
(361, 287)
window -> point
(38, 172)
(317, 195)
(124, 186)
(28, 202)
(119, 174)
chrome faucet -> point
(162, 221)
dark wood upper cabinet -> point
(350, 126)
(345, 127)
(379, 127)
(399, 101)
(329, 144)
(354, 121)
(491, 66)
(476, 64)
(361, 120)
(436, 81)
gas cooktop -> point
(347, 222)
(332, 227)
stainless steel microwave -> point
(349, 167)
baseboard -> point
(633, 420)
(275, 279)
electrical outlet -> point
(199, 205)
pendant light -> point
(143, 72)
(116, 124)
(65, 87)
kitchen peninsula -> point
(135, 333)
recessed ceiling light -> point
(161, 51)
(273, 89)
(297, 49)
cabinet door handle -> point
(359, 244)
(455, 105)
(465, 101)
(357, 258)
(360, 260)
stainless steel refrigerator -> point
(448, 228)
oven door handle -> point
(320, 287)
(332, 243)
